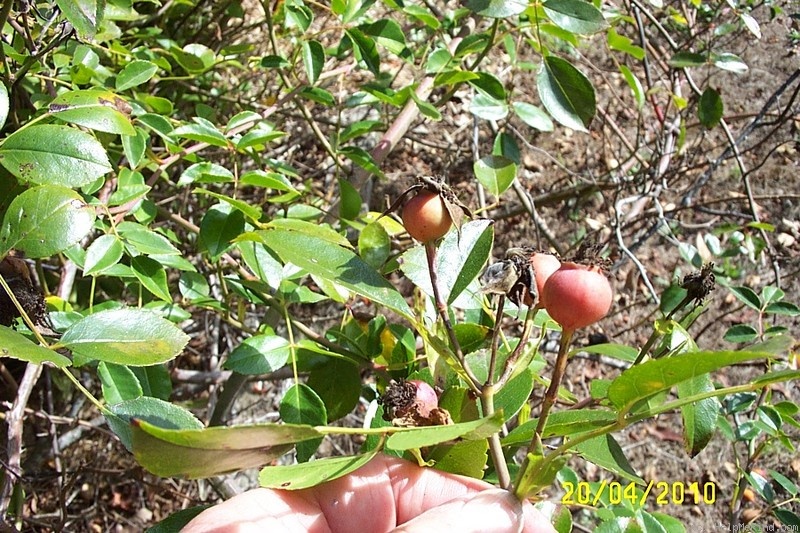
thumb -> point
(489, 511)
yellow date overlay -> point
(661, 492)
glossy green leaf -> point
(489, 85)
(4, 104)
(307, 475)
(251, 211)
(155, 380)
(334, 262)
(496, 8)
(204, 452)
(194, 58)
(488, 108)
(741, 333)
(458, 260)
(617, 351)
(260, 354)
(17, 346)
(203, 131)
(220, 226)
(152, 276)
(118, 383)
(323, 232)
(313, 60)
(495, 172)
(533, 116)
(515, 394)
(125, 336)
(782, 308)
(338, 384)
(362, 158)
(143, 240)
(86, 16)
(94, 109)
(365, 49)
(301, 405)
(349, 200)
(710, 108)
(575, 16)
(205, 172)
(45, 220)
(606, 452)
(635, 85)
(566, 93)
(135, 146)
(103, 253)
(388, 34)
(135, 73)
(374, 245)
(729, 62)
(747, 296)
(687, 59)
(462, 458)
(642, 381)
(699, 418)
(561, 423)
(625, 45)
(151, 410)
(428, 436)
(50, 154)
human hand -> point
(386, 494)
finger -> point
(490, 511)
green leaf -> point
(699, 418)
(642, 381)
(428, 436)
(134, 147)
(488, 108)
(496, 8)
(741, 333)
(151, 410)
(103, 253)
(710, 108)
(374, 245)
(782, 308)
(624, 44)
(301, 405)
(144, 240)
(195, 58)
(566, 93)
(202, 130)
(365, 49)
(604, 451)
(388, 34)
(155, 380)
(260, 354)
(687, 59)
(205, 452)
(576, 16)
(94, 109)
(86, 16)
(307, 475)
(45, 220)
(125, 336)
(617, 351)
(220, 226)
(495, 172)
(515, 394)
(561, 423)
(338, 384)
(458, 261)
(323, 232)
(152, 276)
(533, 116)
(4, 104)
(135, 73)
(729, 62)
(178, 520)
(330, 261)
(747, 296)
(362, 158)
(205, 172)
(635, 85)
(118, 382)
(16, 346)
(489, 85)
(251, 211)
(350, 200)
(50, 154)
(313, 59)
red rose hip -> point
(425, 217)
(577, 296)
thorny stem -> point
(441, 307)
